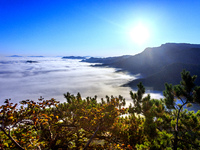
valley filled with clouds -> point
(50, 77)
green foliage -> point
(105, 124)
(186, 92)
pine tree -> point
(186, 92)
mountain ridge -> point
(154, 61)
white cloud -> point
(52, 77)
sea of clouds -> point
(51, 77)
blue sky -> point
(94, 27)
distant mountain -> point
(14, 56)
(108, 61)
(158, 64)
(73, 57)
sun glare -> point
(139, 34)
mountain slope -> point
(108, 61)
(169, 74)
(152, 60)
(158, 64)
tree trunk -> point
(91, 139)
(176, 140)
(176, 128)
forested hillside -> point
(168, 74)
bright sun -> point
(139, 34)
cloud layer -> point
(51, 77)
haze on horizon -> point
(94, 28)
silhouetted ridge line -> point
(157, 64)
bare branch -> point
(91, 139)
(11, 138)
